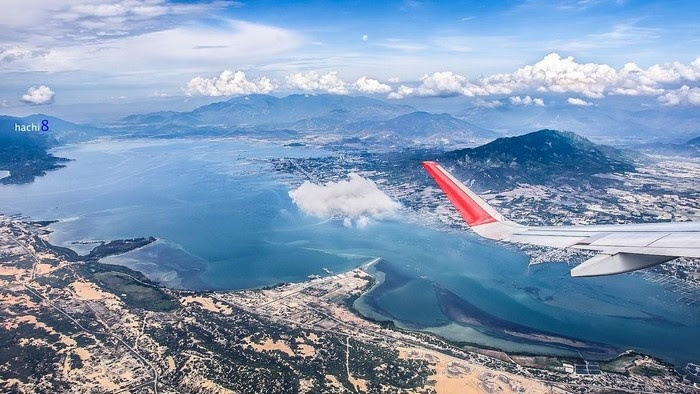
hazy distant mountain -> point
(541, 157)
(421, 124)
(605, 124)
(688, 149)
(364, 120)
(60, 131)
(326, 111)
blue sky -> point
(91, 51)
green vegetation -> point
(103, 250)
(648, 370)
(539, 362)
(118, 247)
(131, 286)
(404, 374)
(631, 363)
(24, 154)
(619, 364)
(541, 157)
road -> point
(36, 292)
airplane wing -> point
(622, 248)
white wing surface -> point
(622, 248)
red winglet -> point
(470, 210)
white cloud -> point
(367, 85)
(84, 21)
(401, 92)
(365, 37)
(561, 75)
(181, 49)
(313, 81)
(394, 80)
(527, 100)
(685, 95)
(556, 74)
(228, 83)
(357, 200)
(38, 95)
(14, 53)
(632, 80)
(489, 104)
(579, 102)
(447, 83)
(564, 75)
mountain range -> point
(345, 116)
(541, 157)
(687, 149)
(610, 125)
(270, 111)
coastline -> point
(117, 248)
(491, 351)
(261, 323)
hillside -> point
(25, 154)
(687, 149)
(541, 157)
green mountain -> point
(541, 157)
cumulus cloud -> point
(38, 95)
(579, 102)
(357, 200)
(558, 74)
(313, 81)
(685, 95)
(527, 100)
(564, 75)
(401, 92)
(447, 83)
(367, 85)
(228, 83)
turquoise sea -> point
(224, 220)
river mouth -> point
(224, 221)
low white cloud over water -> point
(357, 200)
